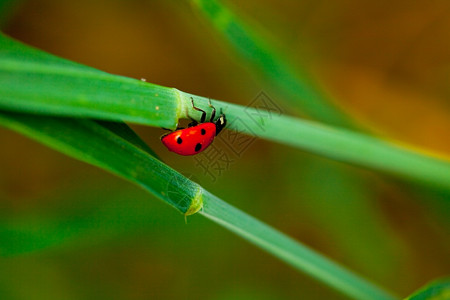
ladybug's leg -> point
(203, 118)
(166, 133)
(193, 123)
(213, 114)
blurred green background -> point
(386, 63)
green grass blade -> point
(125, 132)
(437, 290)
(296, 87)
(90, 142)
(285, 248)
(32, 81)
(37, 82)
(337, 144)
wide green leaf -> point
(37, 82)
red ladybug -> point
(197, 137)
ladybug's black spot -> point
(198, 147)
(203, 131)
(179, 140)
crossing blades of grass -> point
(99, 145)
(33, 81)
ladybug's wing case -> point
(191, 140)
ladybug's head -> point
(221, 122)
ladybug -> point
(197, 136)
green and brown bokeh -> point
(384, 64)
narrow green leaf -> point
(125, 132)
(32, 81)
(437, 290)
(295, 86)
(285, 248)
(339, 144)
(90, 142)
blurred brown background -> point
(387, 63)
